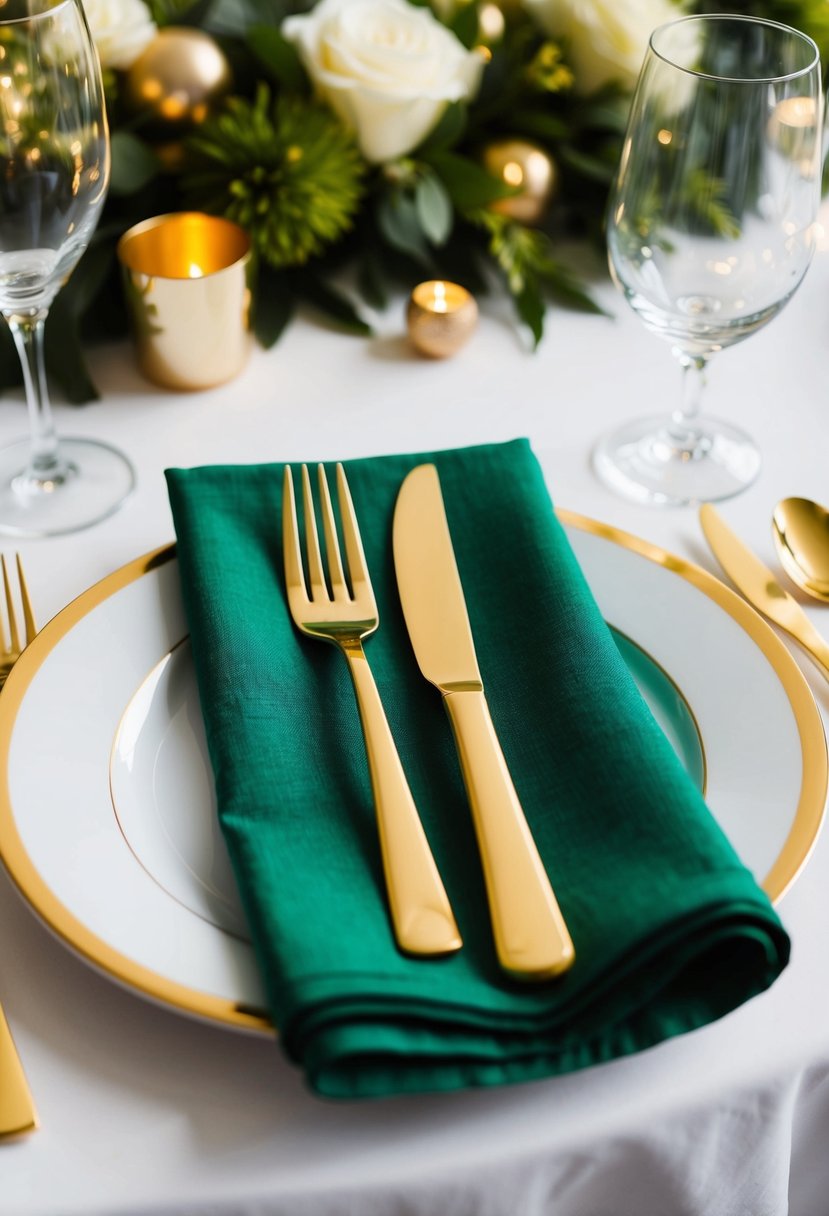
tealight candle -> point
(440, 317)
(186, 279)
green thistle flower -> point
(285, 170)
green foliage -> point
(284, 169)
(283, 166)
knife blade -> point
(531, 937)
(760, 587)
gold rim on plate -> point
(790, 861)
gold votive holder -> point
(187, 282)
(440, 317)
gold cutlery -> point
(10, 652)
(760, 587)
(531, 938)
(17, 1109)
(801, 534)
(421, 915)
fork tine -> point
(357, 568)
(292, 553)
(332, 545)
(28, 612)
(319, 590)
(14, 636)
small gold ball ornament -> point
(177, 81)
(522, 164)
(440, 317)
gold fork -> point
(420, 912)
(17, 1109)
(11, 653)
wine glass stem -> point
(46, 468)
(684, 433)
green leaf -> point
(64, 355)
(279, 56)
(465, 24)
(371, 281)
(134, 164)
(588, 166)
(530, 307)
(274, 307)
(562, 286)
(450, 128)
(539, 123)
(399, 222)
(89, 276)
(468, 184)
(330, 302)
(434, 208)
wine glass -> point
(54, 172)
(711, 227)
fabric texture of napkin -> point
(670, 930)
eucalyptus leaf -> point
(434, 208)
(400, 224)
(134, 164)
(468, 184)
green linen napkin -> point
(670, 929)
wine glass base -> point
(96, 481)
(644, 461)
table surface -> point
(145, 1110)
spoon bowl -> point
(801, 536)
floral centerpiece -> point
(394, 139)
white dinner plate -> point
(114, 841)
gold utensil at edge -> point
(531, 938)
(760, 587)
(420, 911)
(800, 529)
(17, 1108)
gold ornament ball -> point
(517, 162)
(177, 80)
(440, 317)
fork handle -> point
(531, 939)
(420, 911)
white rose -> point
(120, 29)
(605, 40)
(386, 68)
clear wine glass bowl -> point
(710, 230)
(54, 173)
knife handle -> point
(531, 938)
(420, 911)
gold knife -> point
(531, 938)
(760, 587)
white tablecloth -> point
(143, 1110)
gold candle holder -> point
(441, 317)
(186, 277)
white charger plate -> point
(114, 841)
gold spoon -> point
(801, 535)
